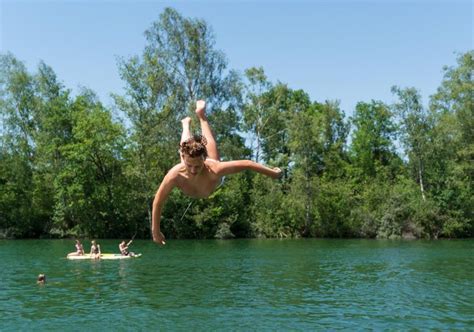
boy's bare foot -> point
(186, 120)
(200, 109)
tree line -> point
(72, 167)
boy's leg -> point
(186, 133)
(211, 146)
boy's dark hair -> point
(194, 146)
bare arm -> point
(165, 188)
(232, 167)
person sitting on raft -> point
(79, 249)
(124, 248)
(200, 171)
(95, 250)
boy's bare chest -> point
(200, 186)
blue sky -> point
(346, 50)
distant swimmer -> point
(123, 247)
(95, 250)
(41, 279)
(200, 171)
(79, 249)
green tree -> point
(453, 148)
(90, 190)
(18, 111)
(55, 130)
(372, 140)
(374, 169)
(415, 128)
(306, 149)
(255, 115)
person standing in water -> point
(200, 171)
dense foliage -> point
(69, 166)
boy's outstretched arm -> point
(161, 195)
(235, 166)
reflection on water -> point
(242, 284)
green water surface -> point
(240, 285)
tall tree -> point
(452, 108)
(18, 111)
(306, 154)
(415, 127)
(55, 130)
(255, 115)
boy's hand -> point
(159, 238)
(278, 172)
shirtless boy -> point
(123, 247)
(200, 171)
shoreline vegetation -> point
(71, 167)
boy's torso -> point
(201, 185)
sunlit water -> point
(240, 285)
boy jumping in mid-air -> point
(200, 171)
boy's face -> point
(194, 165)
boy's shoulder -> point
(175, 172)
(176, 169)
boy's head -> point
(194, 147)
(194, 152)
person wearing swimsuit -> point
(79, 249)
(200, 171)
(123, 247)
(95, 250)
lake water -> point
(240, 285)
